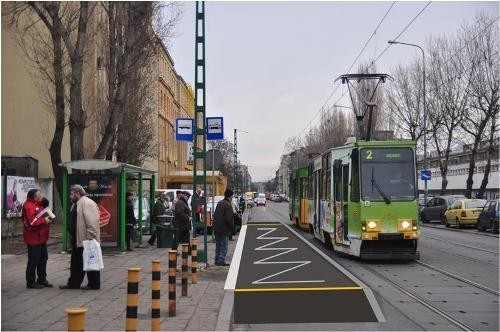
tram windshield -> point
(387, 174)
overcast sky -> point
(271, 65)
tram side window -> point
(336, 179)
(310, 187)
(345, 182)
(304, 186)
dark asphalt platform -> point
(281, 279)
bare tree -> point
(133, 41)
(448, 98)
(481, 59)
(492, 148)
(404, 99)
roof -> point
(104, 165)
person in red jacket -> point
(36, 235)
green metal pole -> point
(123, 189)
(65, 210)
(140, 208)
(151, 201)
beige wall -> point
(27, 125)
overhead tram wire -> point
(401, 33)
(348, 70)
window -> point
(457, 205)
(440, 202)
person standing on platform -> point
(129, 219)
(223, 227)
(158, 210)
(36, 234)
(182, 219)
(83, 225)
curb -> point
(226, 312)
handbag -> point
(92, 256)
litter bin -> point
(165, 232)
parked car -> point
(421, 201)
(436, 207)
(145, 214)
(464, 212)
(488, 218)
(250, 202)
(261, 199)
(277, 199)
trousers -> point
(77, 274)
(221, 244)
(37, 263)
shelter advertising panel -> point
(16, 190)
(104, 191)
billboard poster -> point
(104, 191)
(16, 190)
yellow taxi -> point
(464, 212)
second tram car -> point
(298, 205)
(362, 199)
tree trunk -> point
(57, 138)
(487, 169)
(472, 165)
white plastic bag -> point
(92, 256)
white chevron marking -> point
(284, 251)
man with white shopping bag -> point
(83, 226)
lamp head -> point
(392, 42)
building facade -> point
(458, 169)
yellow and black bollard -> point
(76, 319)
(184, 276)
(155, 296)
(172, 270)
(132, 298)
(194, 261)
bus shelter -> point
(106, 183)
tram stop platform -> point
(278, 277)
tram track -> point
(410, 293)
(457, 230)
(461, 244)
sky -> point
(271, 65)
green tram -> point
(298, 205)
(361, 199)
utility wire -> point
(348, 70)
(401, 33)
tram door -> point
(345, 199)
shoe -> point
(88, 288)
(34, 286)
(44, 283)
(66, 287)
(224, 264)
(217, 263)
(151, 243)
(129, 249)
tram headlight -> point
(405, 225)
(371, 225)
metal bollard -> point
(155, 296)
(76, 319)
(184, 276)
(172, 270)
(194, 261)
(132, 298)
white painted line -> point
(368, 292)
(284, 251)
(232, 275)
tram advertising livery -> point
(360, 199)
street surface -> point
(454, 286)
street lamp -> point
(424, 108)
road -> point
(454, 286)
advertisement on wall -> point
(104, 191)
(16, 190)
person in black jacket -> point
(182, 220)
(129, 219)
(223, 227)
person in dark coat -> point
(129, 219)
(182, 220)
(223, 227)
(36, 235)
(158, 210)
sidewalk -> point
(33, 309)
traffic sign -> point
(184, 129)
(425, 174)
(215, 128)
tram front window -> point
(387, 174)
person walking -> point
(36, 234)
(182, 220)
(129, 219)
(158, 210)
(83, 225)
(223, 227)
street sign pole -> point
(200, 132)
